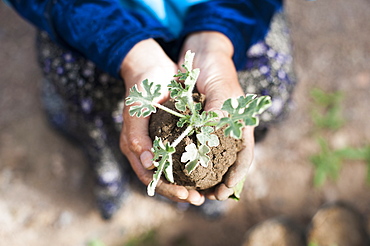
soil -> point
(163, 124)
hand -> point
(218, 80)
(147, 60)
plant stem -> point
(193, 76)
(182, 136)
(168, 110)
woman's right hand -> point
(147, 60)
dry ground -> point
(45, 185)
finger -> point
(222, 192)
(195, 198)
(173, 192)
(215, 106)
(211, 196)
(146, 159)
(241, 167)
(135, 138)
(216, 96)
(179, 193)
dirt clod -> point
(163, 124)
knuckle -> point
(134, 143)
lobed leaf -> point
(163, 161)
(204, 159)
(183, 93)
(184, 120)
(180, 94)
(145, 99)
(242, 111)
(188, 60)
(175, 88)
(190, 154)
(195, 156)
(205, 137)
(234, 128)
(191, 157)
(191, 79)
(182, 76)
(238, 188)
(208, 118)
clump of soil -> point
(163, 124)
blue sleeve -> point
(244, 22)
(101, 30)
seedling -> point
(327, 118)
(328, 162)
(242, 111)
(327, 113)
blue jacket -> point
(104, 30)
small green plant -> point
(146, 239)
(327, 113)
(241, 111)
(328, 162)
(316, 244)
(95, 242)
(327, 117)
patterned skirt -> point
(86, 103)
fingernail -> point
(146, 159)
(198, 202)
(223, 192)
(183, 195)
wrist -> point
(144, 57)
(213, 55)
(208, 43)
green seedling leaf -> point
(242, 110)
(176, 89)
(168, 169)
(313, 244)
(180, 94)
(207, 118)
(203, 157)
(163, 161)
(327, 113)
(192, 79)
(238, 190)
(149, 238)
(184, 97)
(182, 76)
(234, 128)
(360, 154)
(191, 157)
(146, 98)
(183, 93)
(195, 156)
(184, 120)
(205, 137)
(326, 99)
(188, 60)
(327, 164)
(95, 242)
(181, 103)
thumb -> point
(214, 102)
(135, 138)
